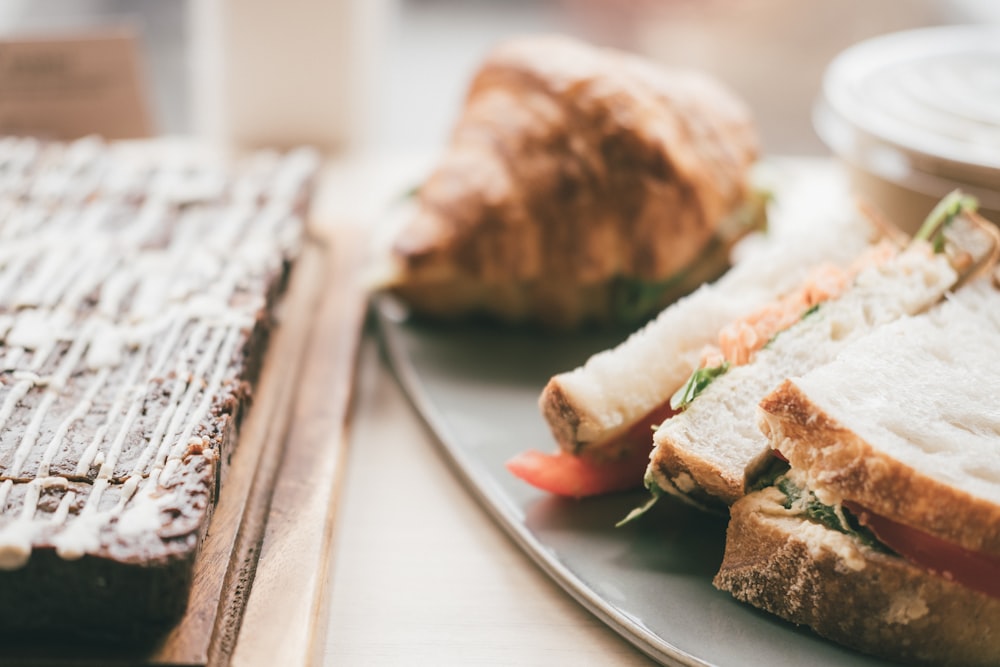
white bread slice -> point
(874, 602)
(906, 421)
(714, 447)
(592, 405)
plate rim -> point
(496, 505)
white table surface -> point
(421, 575)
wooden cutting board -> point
(263, 564)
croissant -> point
(580, 185)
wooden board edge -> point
(226, 562)
(287, 610)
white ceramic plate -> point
(477, 388)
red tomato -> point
(621, 468)
(978, 571)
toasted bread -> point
(875, 602)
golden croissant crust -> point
(571, 168)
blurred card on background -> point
(70, 85)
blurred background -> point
(772, 52)
(392, 73)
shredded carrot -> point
(740, 340)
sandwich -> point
(882, 531)
(601, 413)
(581, 185)
(712, 451)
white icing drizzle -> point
(79, 412)
(69, 362)
(174, 399)
(10, 362)
(31, 330)
(165, 445)
(83, 535)
(12, 269)
(13, 397)
(62, 511)
(52, 267)
(223, 358)
(143, 513)
(109, 253)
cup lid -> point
(927, 95)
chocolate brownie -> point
(137, 289)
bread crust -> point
(841, 465)
(682, 484)
(870, 601)
(573, 425)
(705, 481)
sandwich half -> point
(884, 534)
(712, 450)
(601, 413)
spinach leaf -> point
(696, 384)
(825, 515)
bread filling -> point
(975, 570)
(978, 571)
(596, 471)
(800, 500)
(740, 340)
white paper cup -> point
(914, 115)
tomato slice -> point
(577, 477)
(978, 571)
(617, 467)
